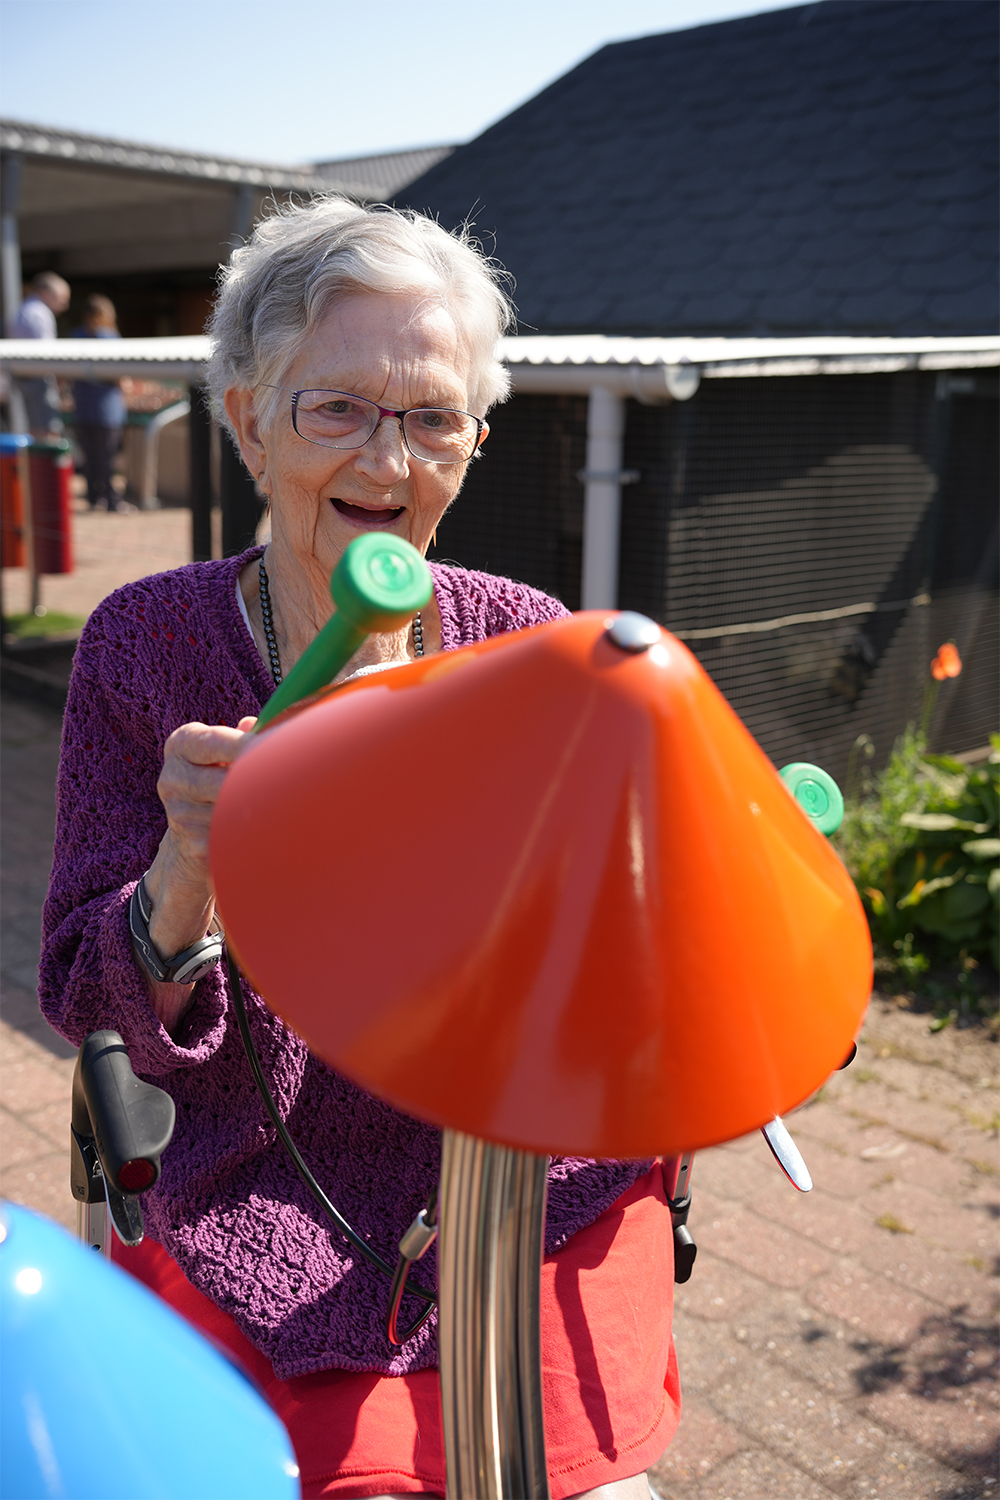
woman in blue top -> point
(100, 410)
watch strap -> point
(186, 967)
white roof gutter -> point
(560, 363)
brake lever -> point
(787, 1154)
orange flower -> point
(947, 663)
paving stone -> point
(703, 1441)
(41, 1183)
(760, 1247)
(956, 1221)
(821, 1349)
(736, 1176)
(759, 1475)
(958, 1431)
(717, 1290)
(892, 1030)
(706, 1350)
(796, 1418)
(28, 1080)
(903, 1472)
(905, 1075)
(869, 1304)
(51, 1122)
(21, 1018)
(922, 1120)
(839, 1173)
(22, 1143)
(944, 1277)
(831, 1222)
(825, 1121)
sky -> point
(307, 80)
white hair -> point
(302, 257)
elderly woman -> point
(354, 366)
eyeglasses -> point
(336, 419)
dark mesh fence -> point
(520, 513)
(814, 539)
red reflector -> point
(136, 1175)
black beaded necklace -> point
(272, 644)
(265, 614)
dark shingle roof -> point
(830, 168)
(379, 177)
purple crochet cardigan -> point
(229, 1207)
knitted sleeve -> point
(109, 822)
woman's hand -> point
(196, 758)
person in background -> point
(48, 297)
(100, 411)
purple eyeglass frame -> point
(383, 412)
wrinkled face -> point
(400, 351)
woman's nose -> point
(385, 453)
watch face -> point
(199, 965)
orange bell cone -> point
(547, 892)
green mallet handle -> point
(378, 585)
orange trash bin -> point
(13, 552)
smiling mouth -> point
(364, 515)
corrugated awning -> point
(570, 362)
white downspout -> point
(602, 499)
(604, 476)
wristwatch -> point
(186, 967)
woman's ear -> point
(240, 410)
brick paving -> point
(108, 550)
(839, 1343)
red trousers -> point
(611, 1389)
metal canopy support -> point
(492, 1217)
(244, 202)
(200, 430)
(11, 170)
(238, 497)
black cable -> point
(399, 1284)
(351, 1235)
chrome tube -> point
(93, 1227)
(492, 1217)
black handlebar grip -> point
(131, 1121)
(685, 1251)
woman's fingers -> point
(195, 760)
(205, 744)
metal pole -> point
(10, 243)
(238, 497)
(200, 453)
(602, 499)
(492, 1217)
(244, 202)
(34, 587)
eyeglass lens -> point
(336, 420)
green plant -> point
(922, 844)
(35, 627)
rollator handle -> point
(378, 585)
(119, 1129)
